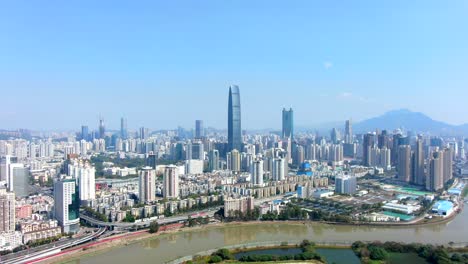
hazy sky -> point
(165, 63)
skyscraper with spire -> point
(234, 119)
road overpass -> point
(144, 224)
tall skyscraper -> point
(171, 182)
(152, 160)
(213, 160)
(85, 175)
(404, 163)
(123, 128)
(102, 128)
(67, 205)
(348, 132)
(435, 179)
(448, 164)
(7, 211)
(235, 161)
(85, 133)
(419, 177)
(143, 133)
(368, 144)
(335, 136)
(288, 123)
(234, 119)
(147, 185)
(199, 129)
(257, 172)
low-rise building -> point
(36, 230)
(10, 240)
(443, 208)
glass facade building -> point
(234, 119)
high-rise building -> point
(67, 205)
(419, 176)
(448, 164)
(404, 163)
(7, 211)
(345, 184)
(349, 132)
(213, 160)
(257, 172)
(195, 151)
(144, 133)
(123, 128)
(435, 179)
(84, 133)
(234, 119)
(147, 185)
(171, 182)
(85, 176)
(21, 180)
(278, 173)
(102, 128)
(235, 161)
(368, 144)
(152, 160)
(199, 129)
(335, 136)
(241, 205)
(288, 123)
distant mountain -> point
(408, 120)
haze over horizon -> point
(164, 64)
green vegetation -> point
(291, 212)
(465, 191)
(129, 218)
(250, 215)
(154, 227)
(197, 221)
(44, 241)
(96, 215)
(308, 253)
(377, 251)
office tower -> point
(257, 172)
(349, 132)
(147, 185)
(67, 205)
(335, 136)
(7, 166)
(345, 184)
(404, 163)
(196, 151)
(448, 164)
(235, 161)
(419, 176)
(144, 133)
(199, 129)
(383, 140)
(85, 176)
(234, 119)
(123, 128)
(213, 160)
(435, 179)
(21, 180)
(102, 128)
(152, 160)
(171, 182)
(288, 123)
(278, 173)
(299, 155)
(84, 133)
(7, 211)
(349, 150)
(368, 143)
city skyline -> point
(359, 59)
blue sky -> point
(167, 63)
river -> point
(171, 246)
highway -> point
(28, 256)
(163, 221)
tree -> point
(378, 253)
(154, 227)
